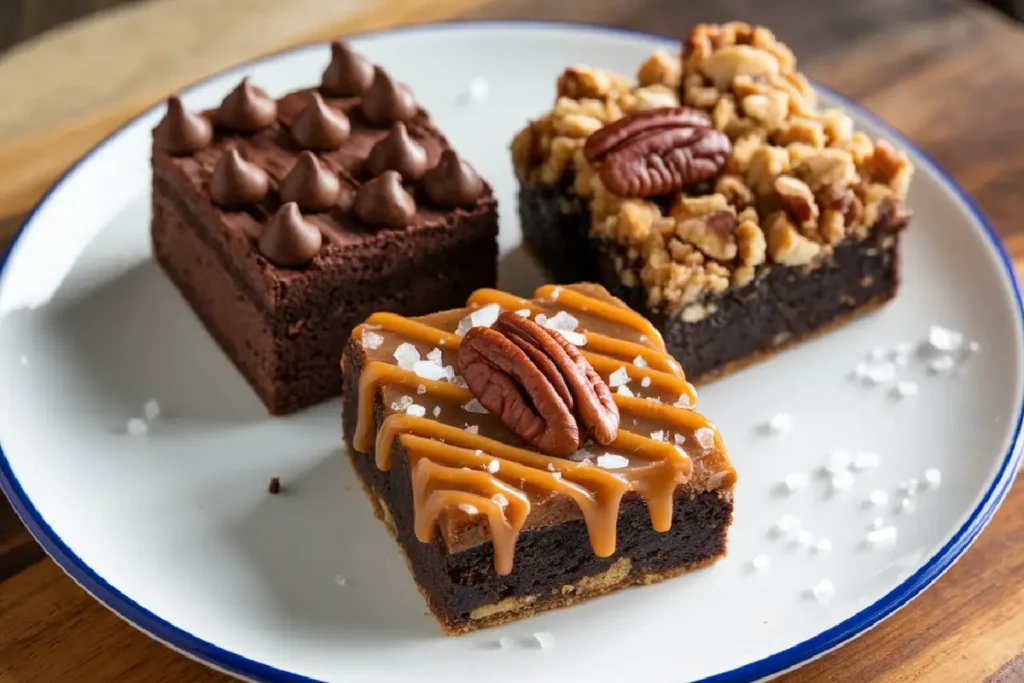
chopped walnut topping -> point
(661, 68)
(786, 245)
(799, 181)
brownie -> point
(286, 222)
(498, 522)
(713, 195)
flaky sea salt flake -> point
(544, 639)
(416, 410)
(679, 439)
(932, 478)
(823, 591)
(804, 538)
(878, 498)
(371, 340)
(493, 466)
(683, 402)
(880, 373)
(941, 365)
(842, 480)
(472, 429)
(618, 378)
(401, 404)
(787, 524)
(478, 90)
(523, 312)
(877, 352)
(645, 382)
(640, 362)
(435, 355)
(562, 322)
(658, 435)
(780, 423)
(437, 411)
(611, 461)
(823, 545)
(794, 481)
(151, 410)
(421, 389)
(623, 390)
(480, 317)
(838, 461)
(907, 505)
(761, 563)
(474, 406)
(469, 509)
(500, 500)
(944, 339)
(407, 356)
(905, 389)
(865, 461)
(428, 369)
(705, 437)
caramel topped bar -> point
(519, 415)
(714, 193)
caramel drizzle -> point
(446, 482)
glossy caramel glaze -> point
(467, 467)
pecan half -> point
(538, 384)
(658, 151)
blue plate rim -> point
(781, 661)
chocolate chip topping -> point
(387, 100)
(348, 74)
(319, 127)
(180, 131)
(398, 152)
(236, 182)
(247, 109)
(290, 240)
(453, 182)
(310, 185)
(384, 203)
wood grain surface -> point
(949, 75)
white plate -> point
(175, 531)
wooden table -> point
(949, 75)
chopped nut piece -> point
(750, 243)
(635, 219)
(577, 125)
(797, 199)
(652, 97)
(661, 68)
(562, 151)
(832, 228)
(713, 233)
(786, 245)
(724, 113)
(584, 81)
(735, 191)
(690, 207)
(743, 275)
(766, 164)
(801, 130)
(725, 64)
(769, 110)
(828, 168)
(837, 125)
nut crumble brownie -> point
(528, 454)
(794, 229)
(285, 222)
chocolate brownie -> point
(286, 222)
(530, 454)
(714, 196)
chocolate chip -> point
(384, 203)
(348, 74)
(310, 184)
(247, 109)
(387, 100)
(181, 132)
(290, 240)
(453, 182)
(319, 127)
(398, 152)
(236, 182)
(274, 487)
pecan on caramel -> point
(538, 384)
(658, 151)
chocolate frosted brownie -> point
(528, 454)
(286, 222)
(716, 197)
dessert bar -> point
(528, 454)
(715, 196)
(284, 222)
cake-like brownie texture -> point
(286, 222)
(528, 454)
(714, 196)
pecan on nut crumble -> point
(798, 179)
(538, 384)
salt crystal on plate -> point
(881, 537)
(618, 378)
(823, 590)
(780, 423)
(906, 505)
(804, 538)
(877, 523)
(474, 406)
(493, 466)
(838, 461)
(407, 356)
(761, 562)
(842, 480)
(371, 340)
(544, 639)
(468, 509)
(505, 642)
(340, 580)
(880, 373)
(941, 365)
(478, 90)
(137, 426)
(933, 477)
(610, 461)
(416, 410)
(973, 347)
(905, 389)
(151, 410)
(877, 352)
(794, 481)
(823, 546)
(910, 486)
(428, 369)
(705, 437)
(787, 524)
(435, 355)
(944, 339)
(865, 461)
(878, 498)
(645, 382)
(623, 390)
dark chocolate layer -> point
(547, 559)
(781, 306)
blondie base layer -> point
(714, 196)
(286, 222)
(506, 501)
